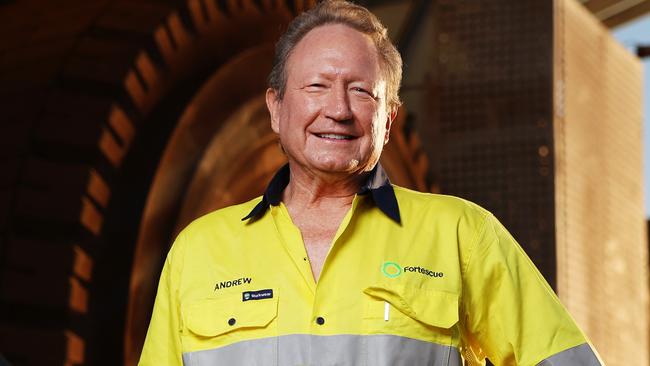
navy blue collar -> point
(377, 185)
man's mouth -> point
(334, 136)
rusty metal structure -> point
(124, 120)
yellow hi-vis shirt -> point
(410, 279)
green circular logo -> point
(391, 269)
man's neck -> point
(317, 204)
(316, 190)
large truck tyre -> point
(91, 92)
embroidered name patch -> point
(257, 295)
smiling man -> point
(336, 266)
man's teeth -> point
(334, 136)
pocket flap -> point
(212, 317)
(436, 308)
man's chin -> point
(345, 167)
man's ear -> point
(392, 114)
(273, 105)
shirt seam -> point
(465, 267)
(475, 240)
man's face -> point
(333, 116)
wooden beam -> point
(595, 6)
(628, 15)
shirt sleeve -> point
(510, 313)
(162, 345)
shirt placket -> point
(323, 295)
(292, 242)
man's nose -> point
(338, 104)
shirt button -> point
(232, 321)
(320, 320)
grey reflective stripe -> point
(340, 350)
(394, 350)
(581, 355)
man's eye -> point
(363, 91)
(315, 86)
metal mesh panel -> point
(492, 111)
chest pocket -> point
(248, 328)
(422, 320)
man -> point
(334, 265)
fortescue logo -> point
(392, 270)
(422, 270)
(231, 283)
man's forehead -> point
(333, 48)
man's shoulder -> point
(440, 204)
(225, 218)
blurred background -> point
(123, 120)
